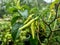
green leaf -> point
(34, 41)
(14, 19)
(14, 31)
(24, 13)
(11, 9)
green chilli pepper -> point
(26, 25)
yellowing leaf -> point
(53, 4)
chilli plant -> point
(31, 24)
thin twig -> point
(38, 36)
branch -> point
(56, 30)
(38, 35)
(51, 32)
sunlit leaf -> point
(11, 10)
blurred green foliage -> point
(29, 22)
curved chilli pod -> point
(26, 25)
(32, 30)
(28, 18)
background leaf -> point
(24, 13)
